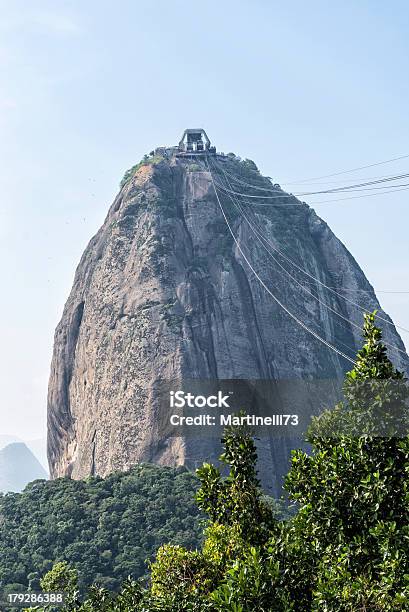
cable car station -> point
(195, 142)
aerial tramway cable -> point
(368, 195)
(257, 234)
(326, 286)
(294, 317)
(261, 239)
(387, 161)
(347, 188)
(310, 193)
(340, 181)
(292, 196)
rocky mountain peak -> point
(163, 292)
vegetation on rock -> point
(145, 161)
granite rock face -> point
(162, 292)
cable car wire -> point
(294, 317)
(284, 195)
(387, 161)
(261, 240)
(286, 272)
(405, 187)
(352, 187)
(328, 287)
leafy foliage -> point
(236, 500)
(345, 549)
(105, 528)
(353, 494)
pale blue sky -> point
(86, 88)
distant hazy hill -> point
(38, 446)
(18, 466)
(4, 440)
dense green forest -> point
(345, 549)
(105, 528)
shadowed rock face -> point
(162, 292)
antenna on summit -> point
(195, 142)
